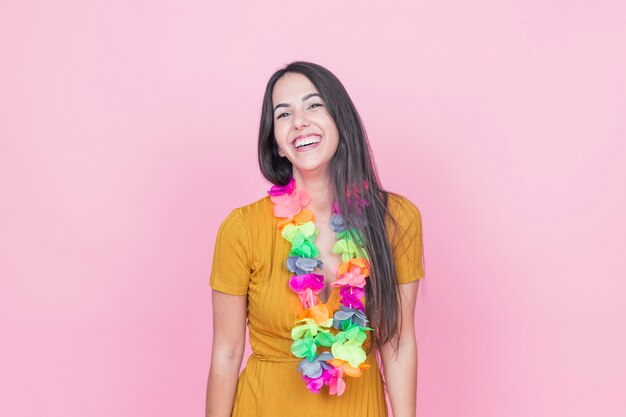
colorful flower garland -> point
(343, 330)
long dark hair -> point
(351, 168)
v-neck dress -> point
(250, 259)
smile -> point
(306, 143)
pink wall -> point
(502, 120)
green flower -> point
(305, 347)
(351, 353)
(310, 327)
(302, 239)
(348, 343)
(348, 247)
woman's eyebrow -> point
(306, 97)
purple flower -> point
(352, 297)
(300, 283)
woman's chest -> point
(270, 299)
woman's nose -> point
(300, 120)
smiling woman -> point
(324, 270)
(316, 128)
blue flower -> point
(313, 369)
(354, 315)
(301, 265)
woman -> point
(324, 279)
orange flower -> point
(302, 216)
(320, 313)
(360, 263)
(347, 369)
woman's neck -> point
(320, 189)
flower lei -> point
(319, 327)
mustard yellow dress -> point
(249, 259)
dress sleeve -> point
(230, 270)
(407, 242)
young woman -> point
(324, 269)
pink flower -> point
(282, 189)
(335, 382)
(300, 283)
(288, 200)
(331, 376)
(288, 205)
(314, 384)
(353, 277)
(307, 287)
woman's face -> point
(305, 132)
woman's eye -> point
(311, 106)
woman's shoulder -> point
(256, 210)
(402, 207)
(405, 229)
(248, 219)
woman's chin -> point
(310, 168)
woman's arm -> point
(400, 371)
(229, 335)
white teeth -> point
(307, 141)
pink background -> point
(128, 132)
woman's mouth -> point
(307, 143)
